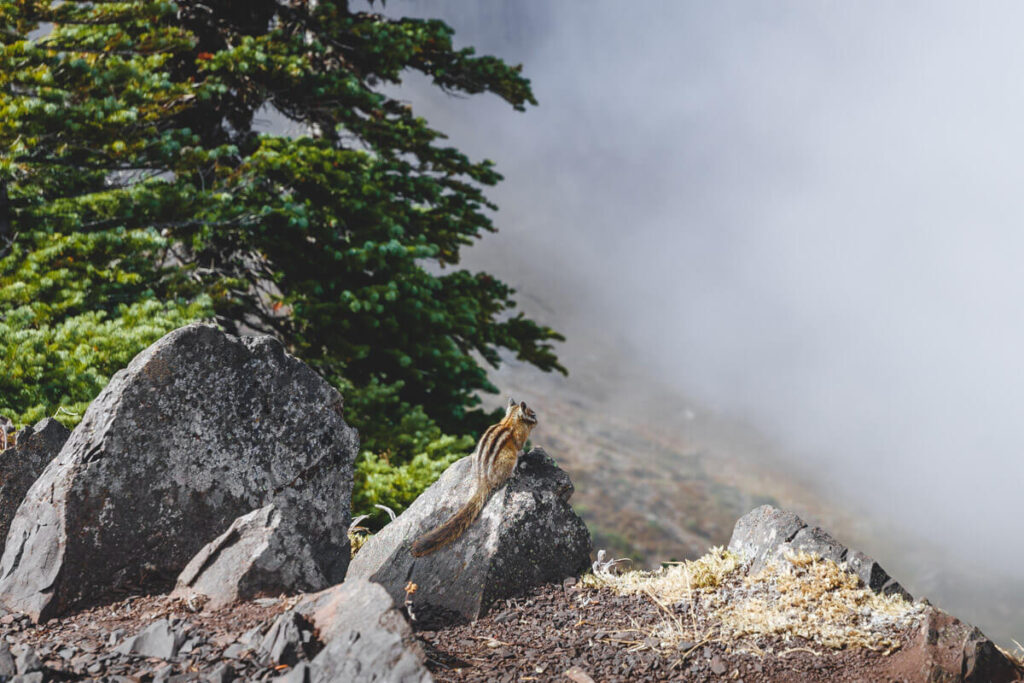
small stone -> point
(717, 665)
(252, 636)
(300, 674)
(7, 667)
(34, 677)
(115, 637)
(67, 652)
(222, 674)
(578, 675)
(235, 651)
(156, 640)
(28, 661)
(283, 642)
(224, 639)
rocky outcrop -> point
(200, 429)
(266, 552)
(526, 535)
(366, 638)
(21, 466)
(767, 534)
(947, 649)
(159, 640)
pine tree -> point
(138, 194)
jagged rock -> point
(299, 674)
(201, 428)
(526, 535)
(265, 552)
(21, 466)
(159, 640)
(286, 639)
(7, 666)
(367, 638)
(947, 649)
(767, 534)
(34, 677)
(222, 674)
(27, 660)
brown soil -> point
(555, 635)
(81, 646)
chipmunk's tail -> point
(451, 529)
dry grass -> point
(675, 582)
(817, 600)
(802, 597)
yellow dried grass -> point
(802, 596)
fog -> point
(808, 215)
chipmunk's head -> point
(521, 411)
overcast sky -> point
(806, 214)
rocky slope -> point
(251, 515)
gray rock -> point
(27, 660)
(252, 637)
(7, 666)
(262, 553)
(367, 638)
(947, 649)
(299, 674)
(156, 640)
(236, 651)
(34, 677)
(284, 641)
(526, 535)
(201, 428)
(22, 465)
(766, 535)
(222, 674)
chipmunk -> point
(494, 461)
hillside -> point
(179, 534)
(662, 477)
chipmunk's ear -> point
(511, 404)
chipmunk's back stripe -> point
(497, 443)
(481, 447)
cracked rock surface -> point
(526, 535)
(266, 552)
(766, 534)
(200, 429)
(365, 638)
(21, 465)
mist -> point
(807, 215)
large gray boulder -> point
(767, 534)
(526, 535)
(21, 466)
(201, 428)
(366, 638)
(266, 552)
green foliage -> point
(128, 144)
(76, 308)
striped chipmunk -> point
(494, 461)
